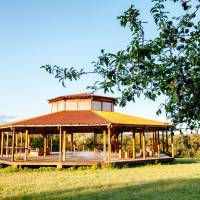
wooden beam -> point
(133, 145)
(158, 143)
(153, 144)
(7, 143)
(45, 146)
(60, 144)
(21, 141)
(109, 144)
(13, 145)
(64, 145)
(143, 145)
(2, 143)
(163, 142)
(172, 144)
(167, 145)
(26, 146)
(104, 144)
(72, 142)
(47, 140)
(121, 146)
(16, 141)
(140, 140)
(29, 137)
(51, 140)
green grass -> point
(175, 181)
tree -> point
(167, 65)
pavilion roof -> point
(84, 118)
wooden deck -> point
(79, 159)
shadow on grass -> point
(165, 189)
(186, 161)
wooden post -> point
(163, 142)
(13, 146)
(29, 140)
(47, 141)
(45, 146)
(16, 141)
(158, 143)
(140, 140)
(104, 144)
(64, 145)
(172, 144)
(26, 146)
(2, 143)
(51, 143)
(117, 143)
(153, 145)
(109, 145)
(143, 145)
(167, 146)
(21, 140)
(60, 144)
(72, 142)
(133, 145)
(7, 143)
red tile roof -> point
(81, 96)
(85, 117)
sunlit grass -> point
(176, 181)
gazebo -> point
(85, 113)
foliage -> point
(36, 141)
(168, 64)
(187, 146)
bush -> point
(187, 146)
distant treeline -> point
(187, 146)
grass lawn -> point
(175, 181)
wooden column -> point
(109, 144)
(16, 141)
(143, 145)
(60, 144)
(51, 141)
(29, 137)
(7, 143)
(2, 143)
(13, 146)
(158, 143)
(140, 140)
(47, 141)
(167, 145)
(133, 145)
(72, 142)
(21, 140)
(104, 144)
(64, 145)
(163, 142)
(26, 146)
(172, 144)
(121, 146)
(153, 144)
(45, 145)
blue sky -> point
(62, 32)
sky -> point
(65, 33)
